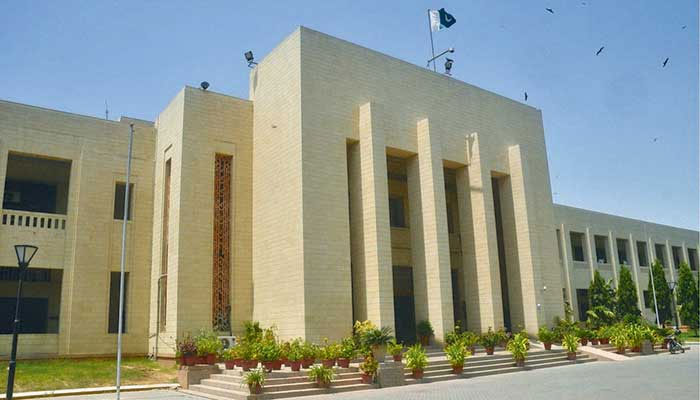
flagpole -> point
(432, 45)
(123, 260)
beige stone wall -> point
(591, 224)
(88, 249)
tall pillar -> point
(635, 271)
(684, 253)
(479, 242)
(429, 237)
(613, 256)
(590, 245)
(369, 223)
(568, 260)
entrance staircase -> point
(278, 384)
(628, 353)
(501, 362)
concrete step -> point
(287, 372)
(219, 393)
(495, 359)
(504, 363)
(277, 386)
(278, 380)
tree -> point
(626, 297)
(663, 292)
(687, 295)
(602, 299)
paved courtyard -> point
(665, 376)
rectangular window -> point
(450, 221)
(693, 259)
(648, 299)
(622, 251)
(396, 212)
(582, 297)
(601, 249)
(559, 244)
(119, 190)
(642, 254)
(114, 282)
(660, 251)
(677, 256)
(577, 246)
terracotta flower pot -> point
(237, 362)
(328, 363)
(255, 389)
(594, 342)
(295, 365)
(284, 361)
(521, 362)
(584, 342)
(230, 364)
(211, 359)
(571, 355)
(397, 358)
(635, 349)
(489, 351)
(344, 362)
(277, 365)
(190, 360)
(366, 378)
(457, 369)
(620, 351)
(268, 365)
(425, 341)
(321, 384)
(249, 364)
(307, 363)
(548, 346)
(201, 360)
(417, 373)
(604, 341)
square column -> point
(613, 256)
(590, 244)
(429, 237)
(568, 268)
(477, 225)
(369, 223)
(635, 271)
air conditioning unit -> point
(228, 341)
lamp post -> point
(672, 286)
(25, 253)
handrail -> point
(33, 220)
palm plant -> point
(570, 343)
(255, 379)
(321, 375)
(416, 360)
(518, 346)
(457, 353)
(546, 336)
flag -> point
(440, 19)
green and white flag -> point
(440, 19)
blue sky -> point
(601, 114)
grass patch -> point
(691, 336)
(55, 374)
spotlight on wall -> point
(204, 85)
(448, 65)
(250, 59)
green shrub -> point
(394, 348)
(490, 339)
(254, 377)
(376, 337)
(424, 329)
(546, 335)
(456, 353)
(369, 366)
(207, 342)
(518, 346)
(347, 348)
(416, 358)
(570, 342)
(321, 374)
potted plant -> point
(309, 353)
(295, 354)
(456, 354)
(470, 339)
(255, 379)
(546, 336)
(346, 352)
(583, 335)
(395, 350)
(603, 334)
(416, 360)
(284, 352)
(619, 339)
(369, 369)
(187, 350)
(424, 331)
(503, 337)
(228, 355)
(208, 346)
(248, 355)
(376, 340)
(489, 340)
(328, 353)
(321, 375)
(635, 337)
(518, 348)
(570, 343)
(269, 353)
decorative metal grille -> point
(221, 304)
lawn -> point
(691, 336)
(34, 375)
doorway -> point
(404, 305)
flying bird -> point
(525, 96)
(655, 139)
(684, 26)
(550, 10)
(600, 50)
(665, 62)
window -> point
(41, 301)
(577, 246)
(693, 259)
(36, 184)
(648, 299)
(660, 251)
(114, 281)
(559, 243)
(450, 221)
(622, 252)
(601, 249)
(396, 213)
(119, 190)
(642, 254)
(677, 257)
(582, 297)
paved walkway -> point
(663, 376)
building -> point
(350, 186)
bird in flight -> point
(550, 10)
(600, 50)
(525, 96)
(665, 62)
(655, 139)
(684, 26)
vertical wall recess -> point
(163, 279)
(221, 304)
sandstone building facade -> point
(350, 186)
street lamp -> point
(25, 253)
(672, 286)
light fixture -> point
(250, 59)
(672, 285)
(448, 65)
(25, 253)
(204, 85)
(432, 60)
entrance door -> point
(404, 307)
